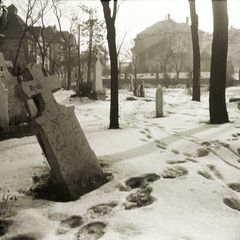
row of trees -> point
(91, 31)
(217, 102)
(85, 31)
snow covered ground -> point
(174, 178)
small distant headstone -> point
(73, 163)
(131, 83)
(159, 102)
(142, 90)
(4, 118)
(98, 92)
(136, 91)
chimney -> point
(187, 19)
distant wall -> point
(172, 81)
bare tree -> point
(31, 17)
(40, 33)
(67, 37)
(196, 52)
(217, 101)
(132, 55)
(93, 29)
(177, 60)
(111, 38)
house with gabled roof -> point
(165, 47)
(49, 38)
(12, 35)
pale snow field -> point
(190, 196)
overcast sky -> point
(135, 15)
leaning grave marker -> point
(74, 165)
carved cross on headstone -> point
(74, 165)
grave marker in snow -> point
(74, 165)
(98, 92)
(159, 101)
(131, 83)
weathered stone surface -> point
(159, 102)
(73, 163)
(16, 110)
(98, 92)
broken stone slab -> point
(74, 165)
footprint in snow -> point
(72, 222)
(234, 186)
(68, 223)
(94, 230)
(205, 174)
(174, 172)
(215, 171)
(233, 203)
(176, 161)
(101, 210)
(140, 198)
(198, 153)
(139, 182)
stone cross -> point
(73, 163)
(159, 102)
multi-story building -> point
(37, 44)
(164, 47)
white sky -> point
(135, 15)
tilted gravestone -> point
(159, 102)
(73, 163)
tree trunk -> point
(217, 102)
(196, 52)
(90, 52)
(111, 38)
(69, 82)
(17, 53)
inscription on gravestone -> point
(73, 163)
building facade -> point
(165, 47)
